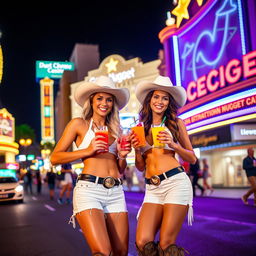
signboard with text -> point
(52, 69)
(243, 132)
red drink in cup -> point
(124, 139)
(103, 132)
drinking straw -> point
(163, 121)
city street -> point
(222, 227)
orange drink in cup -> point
(103, 132)
(155, 129)
(140, 133)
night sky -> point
(128, 28)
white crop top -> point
(148, 146)
(88, 138)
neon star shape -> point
(199, 2)
(181, 11)
(111, 65)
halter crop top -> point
(90, 135)
(148, 146)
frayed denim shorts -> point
(89, 195)
(176, 189)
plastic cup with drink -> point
(155, 129)
(138, 128)
(124, 138)
(103, 133)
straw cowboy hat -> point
(101, 84)
(161, 83)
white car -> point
(11, 189)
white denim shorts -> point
(176, 189)
(89, 195)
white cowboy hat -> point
(101, 84)
(161, 83)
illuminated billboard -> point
(47, 111)
(210, 55)
(6, 124)
(52, 69)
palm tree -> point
(24, 131)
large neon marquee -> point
(218, 78)
(206, 45)
(208, 52)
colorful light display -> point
(211, 57)
(47, 111)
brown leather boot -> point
(172, 250)
(149, 249)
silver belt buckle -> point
(109, 182)
(155, 180)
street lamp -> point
(25, 143)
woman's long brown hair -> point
(145, 115)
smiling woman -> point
(169, 194)
(98, 199)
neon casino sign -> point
(208, 56)
(209, 42)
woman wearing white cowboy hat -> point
(98, 198)
(168, 195)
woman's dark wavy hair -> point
(145, 115)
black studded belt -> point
(107, 182)
(156, 179)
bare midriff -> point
(159, 161)
(101, 165)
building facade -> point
(211, 52)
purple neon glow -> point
(222, 118)
(207, 43)
(218, 103)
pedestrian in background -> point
(98, 198)
(38, 180)
(195, 172)
(66, 183)
(168, 197)
(205, 175)
(129, 177)
(50, 179)
(28, 180)
(249, 165)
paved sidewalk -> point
(218, 192)
(228, 192)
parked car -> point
(11, 189)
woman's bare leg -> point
(148, 223)
(173, 218)
(93, 225)
(118, 229)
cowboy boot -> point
(149, 249)
(182, 251)
(171, 250)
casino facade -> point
(210, 50)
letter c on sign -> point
(191, 91)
